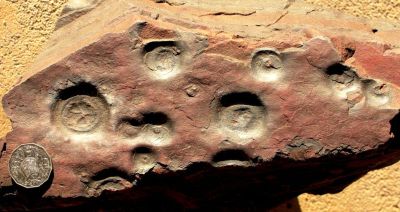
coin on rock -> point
(30, 165)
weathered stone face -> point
(185, 102)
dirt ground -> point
(389, 9)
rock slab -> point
(198, 105)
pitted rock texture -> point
(221, 106)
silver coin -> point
(30, 166)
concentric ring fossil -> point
(163, 61)
(80, 113)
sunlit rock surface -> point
(197, 105)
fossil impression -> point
(202, 104)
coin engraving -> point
(30, 165)
(82, 113)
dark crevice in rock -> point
(82, 88)
(153, 45)
(342, 74)
(31, 198)
(111, 172)
(3, 149)
(131, 121)
(170, 3)
(337, 69)
(245, 98)
(348, 53)
(231, 154)
(229, 14)
(156, 118)
(143, 150)
(395, 126)
(152, 118)
(278, 19)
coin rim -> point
(51, 165)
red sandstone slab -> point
(268, 92)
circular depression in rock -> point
(242, 114)
(266, 65)
(241, 117)
(81, 113)
(156, 134)
(163, 61)
(143, 159)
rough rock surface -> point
(75, 9)
(205, 104)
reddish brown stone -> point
(208, 104)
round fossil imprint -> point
(30, 165)
(143, 162)
(156, 134)
(163, 60)
(241, 117)
(82, 113)
(266, 65)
